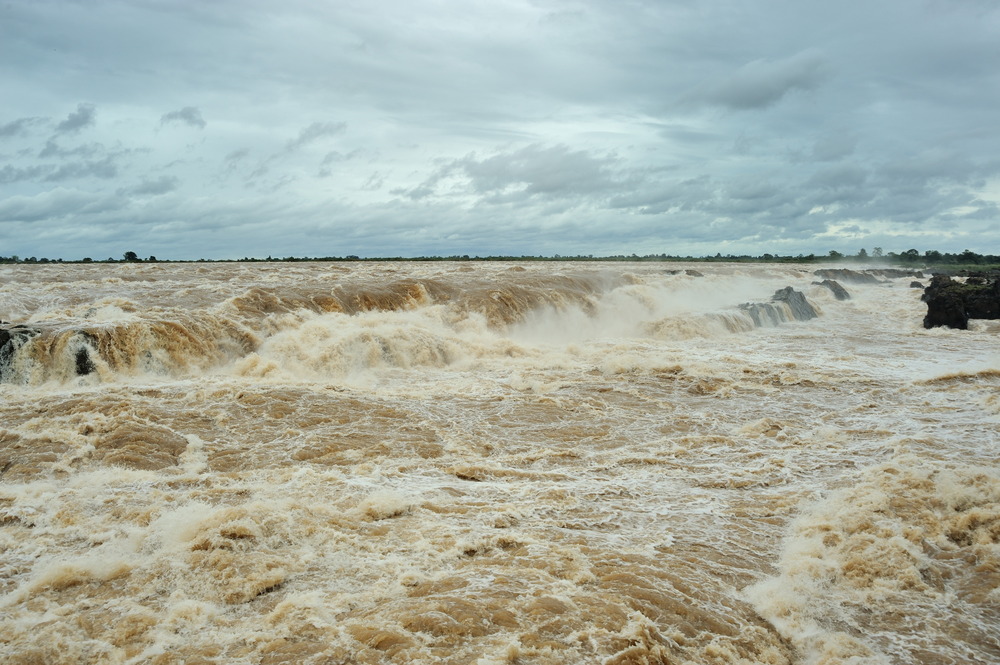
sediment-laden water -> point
(492, 463)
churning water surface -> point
(491, 463)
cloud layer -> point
(230, 128)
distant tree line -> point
(910, 257)
(931, 257)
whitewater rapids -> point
(552, 463)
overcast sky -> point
(231, 128)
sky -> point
(231, 128)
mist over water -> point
(491, 463)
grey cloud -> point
(839, 177)
(74, 122)
(752, 190)
(657, 198)
(337, 156)
(52, 149)
(593, 140)
(260, 171)
(53, 204)
(415, 193)
(234, 159)
(851, 192)
(313, 132)
(104, 169)
(234, 162)
(19, 127)
(763, 83)
(162, 185)
(916, 207)
(832, 148)
(985, 210)
(928, 165)
(374, 182)
(534, 170)
(547, 170)
(10, 174)
(189, 115)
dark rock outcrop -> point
(916, 285)
(786, 304)
(839, 292)
(951, 303)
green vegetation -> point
(966, 260)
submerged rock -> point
(786, 304)
(951, 303)
(866, 276)
(12, 337)
(839, 292)
(846, 275)
(84, 365)
(796, 300)
(895, 273)
(12, 334)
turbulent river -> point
(491, 463)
